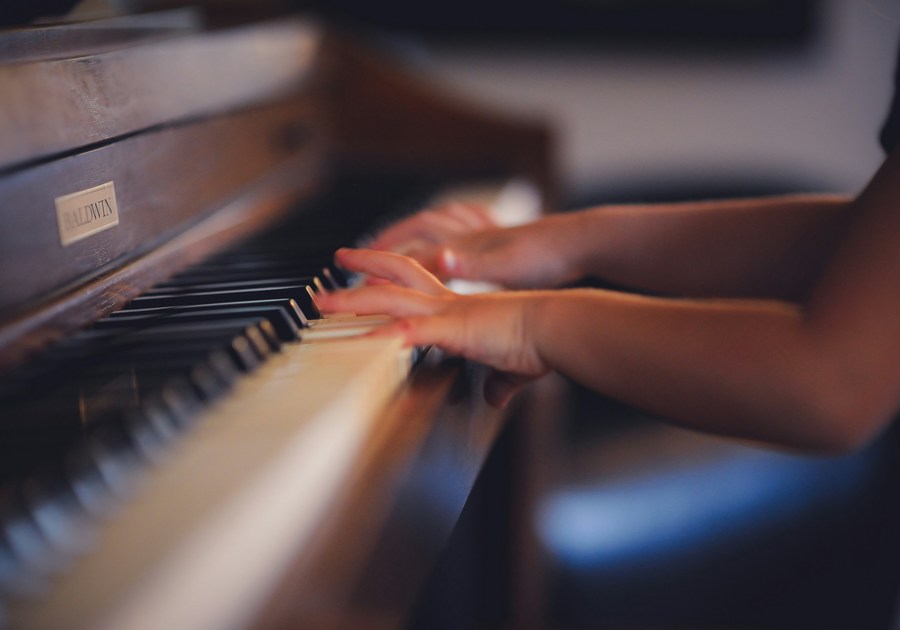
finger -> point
(430, 225)
(420, 226)
(500, 387)
(425, 330)
(379, 300)
(473, 216)
(400, 270)
(396, 234)
(373, 281)
(438, 226)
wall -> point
(808, 117)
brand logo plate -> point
(86, 212)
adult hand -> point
(489, 328)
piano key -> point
(14, 579)
(150, 374)
(154, 415)
(29, 546)
(117, 460)
(333, 278)
(108, 389)
(257, 331)
(246, 343)
(272, 439)
(59, 515)
(249, 342)
(289, 307)
(285, 326)
(88, 485)
(174, 287)
(302, 293)
(148, 440)
(152, 341)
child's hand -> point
(491, 328)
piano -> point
(187, 442)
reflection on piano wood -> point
(186, 442)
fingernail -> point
(449, 260)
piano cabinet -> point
(219, 147)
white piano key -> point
(211, 530)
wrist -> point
(574, 240)
(537, 320)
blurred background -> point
(646, 95)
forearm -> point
(743, 368)
(766, 247)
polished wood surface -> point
(247, 126)
(92, 90)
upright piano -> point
(186, 442)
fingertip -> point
(340, 254)
(448, 261)
(323, 301)
(397, 328)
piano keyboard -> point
(179, 535)
(196, 436)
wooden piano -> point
(185, 442)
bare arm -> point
(763, 247)
(772, 247)
(821, 375)
(825, 374)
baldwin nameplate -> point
(86, 212)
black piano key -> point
(149, 374)
(264, 308)
(247, 341)
(224, 357)
(284, 325)
(302, 293)
(106, 391)
(334, 278)
(93, 347)
(176, 286)
(257, 332)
